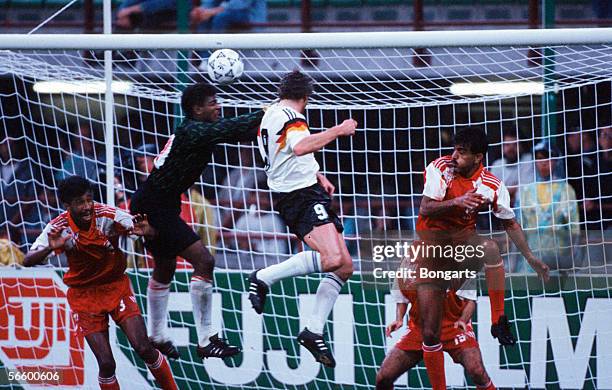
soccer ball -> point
(224, 66)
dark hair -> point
(545, 149)
(73, 187)
(295, 86)
(511, 133)
(196, 94)
(473, 138)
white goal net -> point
(53, 124)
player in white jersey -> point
(303, 199)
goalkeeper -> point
(176, 168)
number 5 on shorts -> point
(321, 212)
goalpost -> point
(54, 112)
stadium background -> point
(371, 171)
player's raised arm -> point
(316, 142)
(50, 239)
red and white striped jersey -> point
(93, 255)
(441, 183)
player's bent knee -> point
(491, 250)
(164, 269)
(107, 367)
(332, 262)
(383, 381)
(144, 350)
(346, 270)
(478, 374)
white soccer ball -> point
(224, 66)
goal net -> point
(546, 108)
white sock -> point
(157, 309)
(303, 263)
(327, 293)
(201, 300)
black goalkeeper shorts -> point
(306, 208)
(163, 212)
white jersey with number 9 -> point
(281, 129)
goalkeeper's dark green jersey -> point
(190, 149)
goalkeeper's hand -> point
(501, 331)
(142, 227)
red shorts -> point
(451, 338)
(92, 305)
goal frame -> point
(352, 40)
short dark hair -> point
(511, 133)
(73, 187)
(295, 86)
(196, 94)
(546, 150)
(473, 138)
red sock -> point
(488, 386)
(496, 280)
(434, 363)
(108, 383)
(162, 373)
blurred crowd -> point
(560, 194)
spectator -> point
(549, 212)
(205, 218)
(385, 217)
(121, 199)
(239, 183)
(81, 158)
(515, 169)
(17, 181)
(133, 14)
(581, 162)
(598, 205)
(220, 16)
(602, 9)
(596, 211)
(258, 221)
(43, 210)
(581, 170)
(10, 254)
(144, 162)
(349, 220)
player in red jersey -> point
(456, 188)
(88, 233)
(457, 337)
